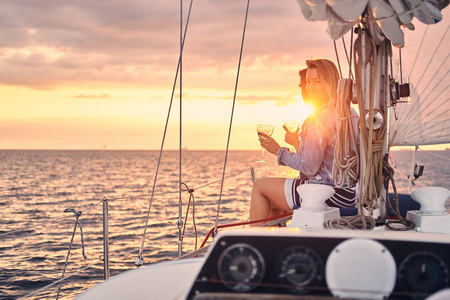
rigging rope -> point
(337, 57)
(231, 118)
(432, 153)
(47, 221)
(185, 188)
(139, 260)
(77, 215)
(432, 56)
(431, 90)
(180, 203)
(349, 59)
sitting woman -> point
(315, 149)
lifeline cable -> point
(77, 215)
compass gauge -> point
(301, 268)
(423, 272)
(241, 267)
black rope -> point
(346, 55)
(388, 173)
(351, 56)
(400, 62)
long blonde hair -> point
(329, 76)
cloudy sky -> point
(94, 74)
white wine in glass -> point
(266, 129)
(291, 126)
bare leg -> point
(267, 195)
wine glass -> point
(291, 126)
(266, 129)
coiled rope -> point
(346, 154)
(353, 222)
(388, 173)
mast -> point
(371, 67)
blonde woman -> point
(315, 149)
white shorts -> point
(290, 192)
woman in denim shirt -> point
(315, 148)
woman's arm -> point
(292, 138)
(309, 160)
(268, 143)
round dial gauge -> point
(423, 272)
(241, 267)
(301, 267)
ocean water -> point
(37, 186)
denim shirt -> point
(314, 158)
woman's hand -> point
(268, 143)
(291, 137)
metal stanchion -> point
(105, 239)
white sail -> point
(425, 58)
(426, 63)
